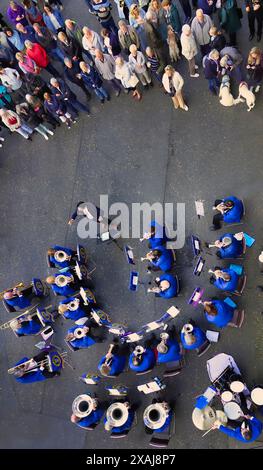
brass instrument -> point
(79, 333)
(155, 415)
(83, 405)
(36, 365)
(62, 281)
(17, 286)
(164, 338)
(73, 305)
(27, 312)
(60, 256)
(117, 414)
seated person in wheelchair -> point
(229, 247)
(167, 286)
(113, 362)
(192, 336)
(161, 259)
(142, 358)
(230, 210)
(225, 279)
(61, 257)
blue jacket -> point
(19, 302)
(92, 78)
(159, 238)
(165, 261)
(227, 285)
(173, 353)
(256, 427)
(66, 290)
(29, 35)
(224, 314)
(200, 338)
(207, 9)
(30, 377)
(172, 291)
(75, 314)
(81, 343)
(5, 98)
(49, 23)
(148, 361)
(126, 426)
(55, 106)
(63, 264)
(94, 418)
(211, 69)
(64, 91)
(164, 427)
(234, 250)
(31, 327)
(117, 365)
(235, 214)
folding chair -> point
(118, 435)
(241, 285)
(173, 368)
(91, 427)
(203, 348)
(161, 440)
(237, 319)
(144, 372)
(8, 307)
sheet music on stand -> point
(199, 207)
(129, 254)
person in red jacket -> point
(37, 53)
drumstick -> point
(207, 432)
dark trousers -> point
(51, 69)
(75, 106)
(205, 49)
(110, 25)
(186, 8)
(82, 86)
(252, 17)
(116, 84)
(217, 217)
(232, 39)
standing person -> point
(123, 8)
(102, 10)
(39, 55)
(154, 64)
(255, 69)
(5, 98)
(14, 40)
(105, 65)
(16, 14)
(73, 31)
(137, 21)
(127, 36)
(32, 120)
(58, 109)
(38, 107)
(111, 42)
(229, 17)
(47, 40)
(91, 41)
(33, 14)
(157, 17)
(172, 16)
(174, 51)
(200, 27)
(26, 32)
(11, 79)
(72, 73)
(26, 64)
(7, 57)
(13, 122)
(208, 6)
(35, 85)
(218, 40)
(137, 64)
(128, 79)
(153, 37)
(69, 47)
(92, 81)
(189, 49)
(212, 70)
(53, 19)
(254, 9)
(63, 92)
(173, 83)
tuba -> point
(155, 415)
(117, 414)
(83, 405)
(60, 256)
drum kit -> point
(83, 405)
(257, 396)
(117, 414)
(155, 415)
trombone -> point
(17, 286)
(27, 312)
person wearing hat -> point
(167, 286)
(229, 246)
(249, 430)
(173, 83)
(230, 210)
(142, 359)
(225, 279)
(189, 49)
(168, 349)
(192, 336)
(161, 259)
(113, 363)
(218, 312)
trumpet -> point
(17, 286)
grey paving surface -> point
(133, 152)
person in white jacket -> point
(128, 79)
(189, 49)
(173, 83)
(91, 41)
(200, 27)
(138, 65)
(10, 78)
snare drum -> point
(257, 396)
(237, 386)
(233, 410)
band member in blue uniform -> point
(17, 299)
(156, 235)
(74, 308)
(192, 336)
(161, 407)
(61, 257)
(225, 279)
(248, 431)
(142, 359)
(161, 259)
(168, 349)
(64, 283)
(230, 210)
(109, 426)
(167, 286)
(93, 418)
(45, 365)
(114, 362)
(229, 247)
(30, 325)
(82, 337)
(218, 312)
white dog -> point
(225, 95)
(249, 96)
